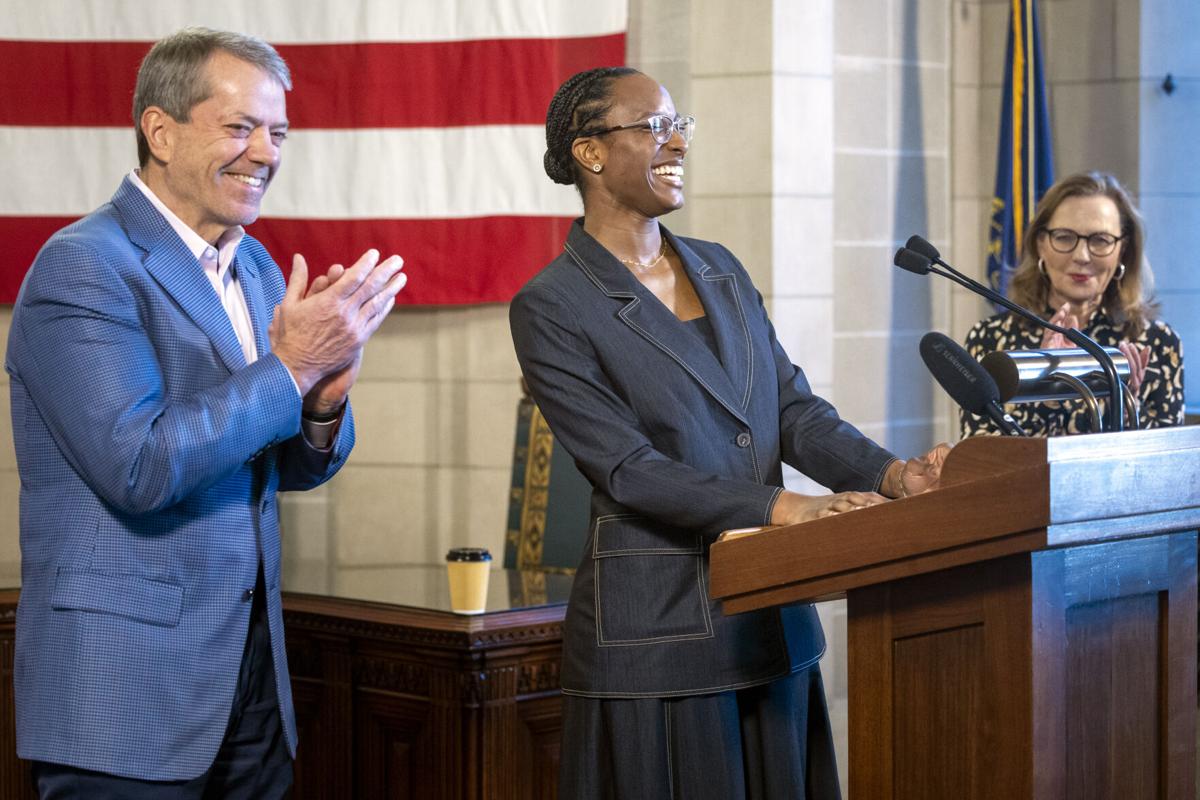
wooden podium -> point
(1028, 630)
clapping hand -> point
(1138, 357)
(329, 394)
(1064, 318)
(319, 332)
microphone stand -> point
(930, 255)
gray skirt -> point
(769, 742)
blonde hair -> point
(1129, 300)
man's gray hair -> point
(172, 73)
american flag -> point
(416, 126)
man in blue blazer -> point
(165, 384)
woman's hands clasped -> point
(1137, 355)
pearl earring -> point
(596, 167)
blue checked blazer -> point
(149, 454)
(679, 445)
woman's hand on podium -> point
(791, 508)
(916, 475)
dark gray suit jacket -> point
(679, 446)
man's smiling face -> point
(221, 160)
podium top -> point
(998, 496)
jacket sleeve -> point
(818, 442)
(813, 438)
(302, 466)
(601, 432)
(82, 352)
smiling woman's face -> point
(639, 173)
(1080, 277)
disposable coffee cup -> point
(468, 570)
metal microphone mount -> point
(1032, 376)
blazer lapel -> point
(654, 322)
(255, 302)
(718, 292)
(174, 267)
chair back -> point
(548, 501)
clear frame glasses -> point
(1065, 240)
(661, 127)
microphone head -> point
(919, 245)
(963, 378)
(1004, 372)
(912, 261)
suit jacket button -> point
(743, 439)
(248, 595)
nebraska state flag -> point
(1024, 163)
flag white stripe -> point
(312, 21)
(326, 174)
(472, 171)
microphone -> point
(965, 380)
(918, 256)
(912, 261)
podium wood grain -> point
(1026, 631)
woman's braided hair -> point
(583, 99)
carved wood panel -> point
(426, 705)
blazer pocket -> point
(649, 581)
(130, 596)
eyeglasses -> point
(660, 125)
(1065, 240)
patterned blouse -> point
(1160, 398)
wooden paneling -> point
(1113, 695)
(935, 680)
(414, 703)
(937, 683)
(1026, 630)
(1059, 674)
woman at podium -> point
(653, 360)
(1084, 266)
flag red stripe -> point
(448, 261)
(347, 85)
(23, 237)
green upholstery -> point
(548, 502)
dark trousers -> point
(252, 762)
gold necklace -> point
(644, 267)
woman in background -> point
(653, 360)
(1084, 266)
